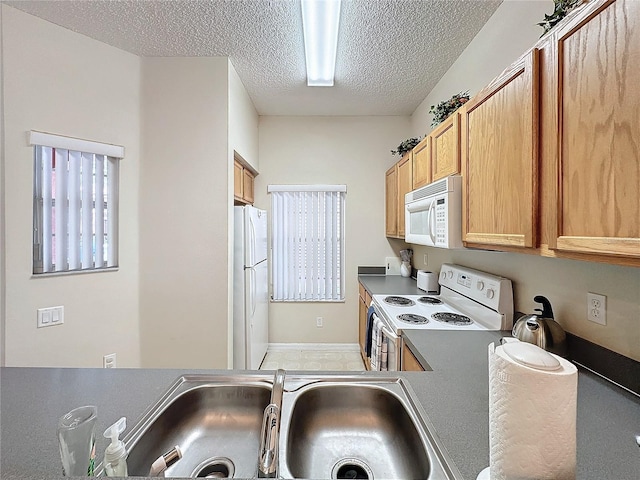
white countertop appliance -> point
(469, 300)
(433, 214)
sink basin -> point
(358, 430)
(331, 426)
(216, 424)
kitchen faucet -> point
(268, 454)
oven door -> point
(394, 345)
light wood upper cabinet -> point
(243, 178)
(405, 185)
(422, 163)
(238, 181)
(399, 182)
(499, 129)
(438, 154)
(445, 148)
(247, 185)
(594, 78)
(391, 205)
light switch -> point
(48, 317)
(56, 315)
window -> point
(307, 241)
(75, 204)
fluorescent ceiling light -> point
(320, 20)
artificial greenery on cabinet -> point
(445, 108)
(406, 146)
(560, 10)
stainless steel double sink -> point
(331, 426)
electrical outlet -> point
(425, 260)
(48, 317)
(109, 361)
(597, 308)
(319, 322)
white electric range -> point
(468, 300)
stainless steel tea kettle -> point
(541, 329)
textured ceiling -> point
(391, 53)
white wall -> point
(507, 34)
(510, 31)
(243, 121)
(2, 204)
(184, 208)
(243, 138)
(332, 150)
(60, 82)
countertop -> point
(455, 396)
(390, 285)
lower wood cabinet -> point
(364, 301)
(409, 361)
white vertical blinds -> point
(75, 221)
(307, 240)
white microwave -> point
(433, 214)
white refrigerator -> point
(250, 288)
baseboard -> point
(343, 347)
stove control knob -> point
(443, 275)
(480, 285)
(490, 293)
(450, 274)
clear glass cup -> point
(76, 436)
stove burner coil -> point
(413, 318)
(452, 318)
(399, 301)
(430, 300)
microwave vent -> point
(429, 190)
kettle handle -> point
(546, 311)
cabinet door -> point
(247, 180)
(238, 181)
(422, 163)
(596, 72)
(500, 159)
(445, 148)
(391, 193)
(409, 362)
(405, 183)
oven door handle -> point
(388, 333)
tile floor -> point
(310, 359)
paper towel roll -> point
(532, 414)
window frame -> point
(286, 291)
(59, 228)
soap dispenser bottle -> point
(115, 456)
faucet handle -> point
(268, 457)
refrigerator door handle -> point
(252, 290)
(252, 242)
